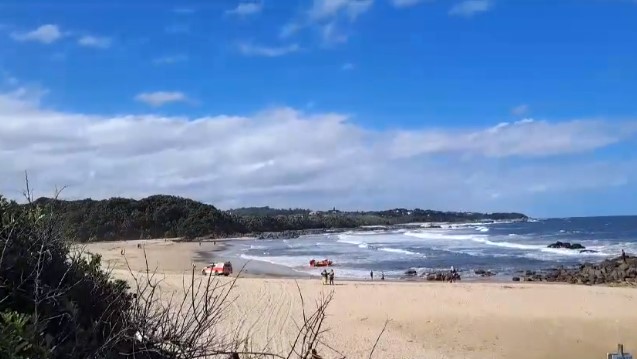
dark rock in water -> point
(441, 276)
(516, 279)
(291, 234)
(566, 245)
(484, 273)
(610, 271)
(588, 251)
(411, 272)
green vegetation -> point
(168, 216)
(57, 302)
(45, 310)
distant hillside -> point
(169, 216)
(267, 211)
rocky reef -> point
(566, 245)
(611, 271)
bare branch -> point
(378, 338)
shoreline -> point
(468, 319)
(211, 250)
(265, 269)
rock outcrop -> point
(441, 276)
(484, 273)
(566, 245)
(610, 271)
(411, 273)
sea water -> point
(505, 248)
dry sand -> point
(427, 320)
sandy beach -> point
(426, 320)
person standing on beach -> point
(382, 275)
(324, 277)
(331, 276)
(371, 274)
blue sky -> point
(426, 81)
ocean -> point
(504, 248)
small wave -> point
(400, 251)
(512, 235)
(345, 238)
(483, 239)
(510, 244)
(286, 261)
(482, 229)
(441, 236)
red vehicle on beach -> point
(218, 268)
(323, 263)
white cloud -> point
(469, 8)
(94, 41)
(250, 49)
(325, 15)
(160, 98)
(46, 34)
(246, 8)
(332, 35)
(170, 59)
(526, 138)
(326, 9)
(405, 3)
(287, 158)
(520, 110)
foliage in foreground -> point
(53, 304)
(56, 302)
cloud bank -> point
(46, 34)
(286, 157)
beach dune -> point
(425, 320)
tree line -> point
(162, 216)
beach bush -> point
(58, 302)
(54, 303)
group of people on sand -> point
(328, 277)
(371, 275)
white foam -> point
(400, 251)
(345, 238)
(441, 235)
(482, 229)
(286, 261)
(482, 239)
